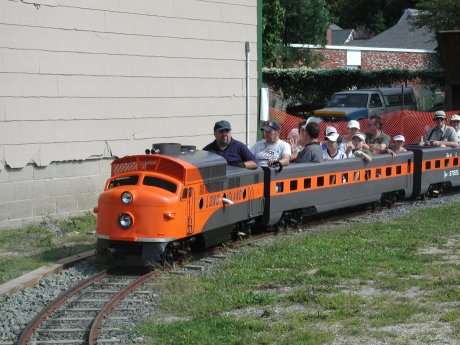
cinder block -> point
(44, 207)
(105, 167)
(66, 169)
(10, 192)
(32, 190)
(56, 187)
(20, 209)
(45, 173)
(88, 168)
(82, 185)
(66, 204)
(11, 224)
(4, 175)
(86, 202)
(22, 174)
(4, 213)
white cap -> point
(455, 117)
(332, 136)
(329, 130)
(361, 136)
(440, 114)
(399, 138)
(353, 124)
(313, 119)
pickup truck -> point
(361, 104)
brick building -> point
(401, 46)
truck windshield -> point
(352, 100)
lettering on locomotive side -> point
(215, 200)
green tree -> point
(272, 31)
(438, 15)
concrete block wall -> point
(31, 194)
(83, 81)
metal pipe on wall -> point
(247, 50)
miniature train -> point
(157, 206)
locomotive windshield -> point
(160, 183)
(124, 181)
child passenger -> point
(332, 152)
(357, 150)
(399, 144)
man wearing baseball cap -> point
(455, 123)
(440, 135)
(234, 151)
(271, 149)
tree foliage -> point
(373, 16)
(288, 22)
(438, 15)
(306, 85)
(272, 31)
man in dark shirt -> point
(234, 151)
(312, 152)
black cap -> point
(221, 125)
(271, 125)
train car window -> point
(124, 181)
(293, 185)
(160, 183)
(332, 179)
(279, 187)
(367, 176)
(345, 178)
(378, 173)
(455, 161)
(388, 171)
(307, 183)
(356, 176)
(320, 181)
(427, 165)
(437, 163)
(446, 162)
(398, 170)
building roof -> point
(401, 35)
(340, 37)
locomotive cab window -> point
(160, 183)
(124, 181)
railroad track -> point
(89, 312)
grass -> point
(38, 245)
(326, 274)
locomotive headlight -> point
(125, 220)
(126, 198)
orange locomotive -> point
(157, 206)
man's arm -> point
(250, 165)
(248, 158)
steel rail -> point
(96, 325)
(27, 333)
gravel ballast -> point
(20, 308)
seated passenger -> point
(398, 147)
(376, 140)
(440, 135)
(271, 149)
(312, 150)
(234, 151)
(296, 142)
(352, 127)
(328, 131)
(358, 149)
(332, 152)
(455, 123)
